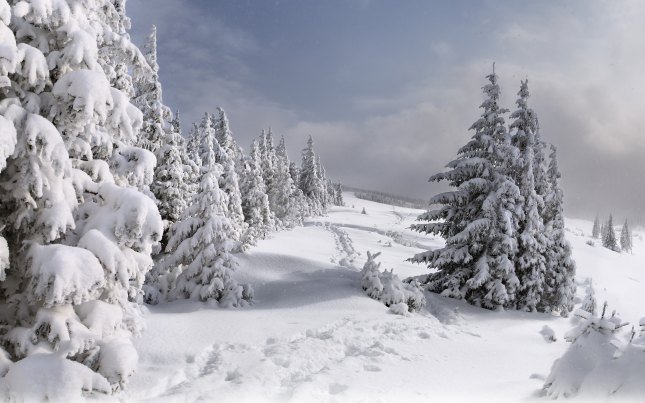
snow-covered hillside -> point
(313, 335)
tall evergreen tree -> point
(149, 99)
(478, 219)
(193, 163)
(309, 179)
(609, 236)
(229, 183)
(626, 238)
(338, 194)
(560, 275)
(225, 138)
(162, 135)
(202, 242)
(78, 234)
(595, 232)
(530, 262)
(169, 185)
(255, 204)
(322, 178)
(282, 197)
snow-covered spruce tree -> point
(294, 171)
(255, 204)
(162, 137)
(309, 180)
(201, 244)
(595, 232)
(338, 194)
(267, 160)
(172, 191)
(192, 163)
(560, 274)
(169, 185)
(283, 199)
(626, 238)
(226, 140)
(79, 238)
(322, 178)
(530, 262)
(229, 183)
(149, 99)
(479, 218)
(301, 203)
(609, 236)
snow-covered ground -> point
(313, 335)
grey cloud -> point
(583, 60)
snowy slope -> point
(313, 335)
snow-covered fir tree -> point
(162, 135)
(79, 235)
(200, 247)
(530, 261)
(226, 140)
(322, 179)
(626, 238)
(267, 161)
(255, 204)
(560, 275)
(309, 179)
(229, 183)
(169, 184)
(294, 171)
(338, 194)
(149, 99)
(595, 232)
(208, 147)
(609, 240)
(283, 199)
(192, 163)
(479, 218)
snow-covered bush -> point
(589, 302)
(598, 362)
(371, 276)
(389, 289)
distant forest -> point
(386, 198)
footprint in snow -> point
(336, 388)
(234, 376)
(372, 368)
(210, 361)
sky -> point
(388, 89)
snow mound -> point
(118, 361)
(49, 377)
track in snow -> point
(345, 255)
(314, 363)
